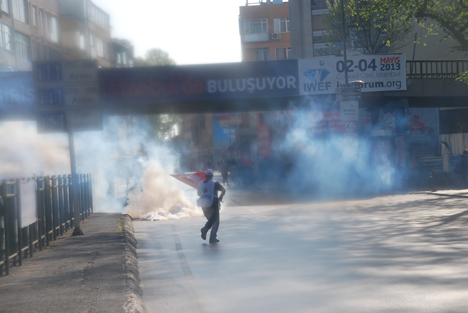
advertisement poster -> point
(322, 75)
(28, 203)
(224, 138)
(264, 141)
(326, 123)
(422, 131)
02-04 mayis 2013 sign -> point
(323, 75)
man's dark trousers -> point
(212, 215)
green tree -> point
(154, 57)
(161, 125)
(449, 15)
(370, 25)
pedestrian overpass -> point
(237, 87)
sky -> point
(192, 32)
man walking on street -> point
(210, 203)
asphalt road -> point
(406, 253)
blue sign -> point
(169, 84)
(48, 72)
(224, 138)
(50, 96)
(16, 93)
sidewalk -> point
(96, 272)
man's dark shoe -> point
(203, 233)
(214, 240)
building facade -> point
(29, 30)
(46, 30)
(85, 30)
(264, 31)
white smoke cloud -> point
(334, 165)
(25, 153)
(111, 159)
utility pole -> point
(74, 191)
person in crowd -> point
(209, 164)
(210, 203)
(224, 167)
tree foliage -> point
(449, 15)
(371, 25)
(154, 57)
(160, 126)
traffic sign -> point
(67, 95)
(50, 97)
(348, 93)
(349, 110)
(65, 72)
(49, 122)
(79, 120)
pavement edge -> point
(134, 303)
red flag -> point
(190, 179)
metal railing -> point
(54, 215)
(436, 68)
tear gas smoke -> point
(25, 153)
(330, 166)
(130, 167)
(162, 197)
(109, 156)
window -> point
(281, 25)
(33, 16)
(22, 45)
(5, 37)
(50, 27)
(262, 54)
(4, 6)
(19, 10)
(283, 53)
(97, 16)
(41, 21)
(255, 26)
(99, 47)
(81, 41)
(53, 28)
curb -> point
(446, 195)
(135, 303)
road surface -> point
(405, 253)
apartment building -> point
(85, 31)
(45, 30)
(29, 30)
(264, 30)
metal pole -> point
(74, 187)
(343, 20)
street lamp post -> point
(343, 20)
